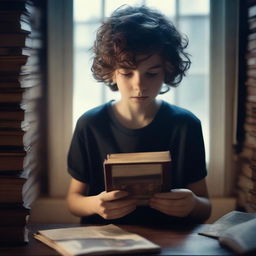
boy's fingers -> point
(113, 195)
(173, 194)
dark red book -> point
(142, 174)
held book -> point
(236, 230)
(141, 174)
(95, 240)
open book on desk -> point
(95, 240)
(236, 230)
(142, 174)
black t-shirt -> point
(99, 133)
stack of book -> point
(247, 177)
(17, 131)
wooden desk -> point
(173, 241)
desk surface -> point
(173, 241)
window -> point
(213, 39)
(190, 17)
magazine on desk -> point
(95, 240)
(236, 230)
(140, 173)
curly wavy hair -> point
(132, 31)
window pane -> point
(193, 95)
(166, 7)
(84, 11)
(86, 91)
(192, 19)
(194, 7)
(197, 30)
(111, 5)
(83, 34)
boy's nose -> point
(139, 84)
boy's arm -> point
(202, 209)
(111, 205)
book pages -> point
(107, 239)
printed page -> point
(229, 220)
(240, 238)
(96, 239)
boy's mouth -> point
(139, 97)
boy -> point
(136, 51)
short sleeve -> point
(77, 155)
(195, 165)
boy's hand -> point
(177, 202)
(114, 204)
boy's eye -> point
(150, 74)
(126, 74)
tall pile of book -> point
(19, 94)
(247, 176)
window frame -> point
(223, 66)
(59, 93)
(223, 95)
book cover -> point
(12, 160)
(11, 189)
(235, 230)
(13, 215)
(240, 238)
(11, 138)
(14, 235)
(95, 240)
(227, 221)
(15, 39)
(141, 174)
(12, 95)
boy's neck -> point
(135, 118)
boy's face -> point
(140, 85)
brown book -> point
(11, 138)
(252, 196)
(12, 95)
(13, 235)
(12, 161)
(250, 128)
(249, 170)
(248, 153)
(11, 189)
(141, 174)
(250, 140)
(251, 90)
(95, 240)
(242, 197)
(14, 21)
(10, 125)
(251, 81)
(245, 183)
(250, 120)
(7, 51)
(12, 114)
(14, 39)
(250, 109)
(251, 72)
(9, 84)
(11, 5)
(13, 216)
(12, 63)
